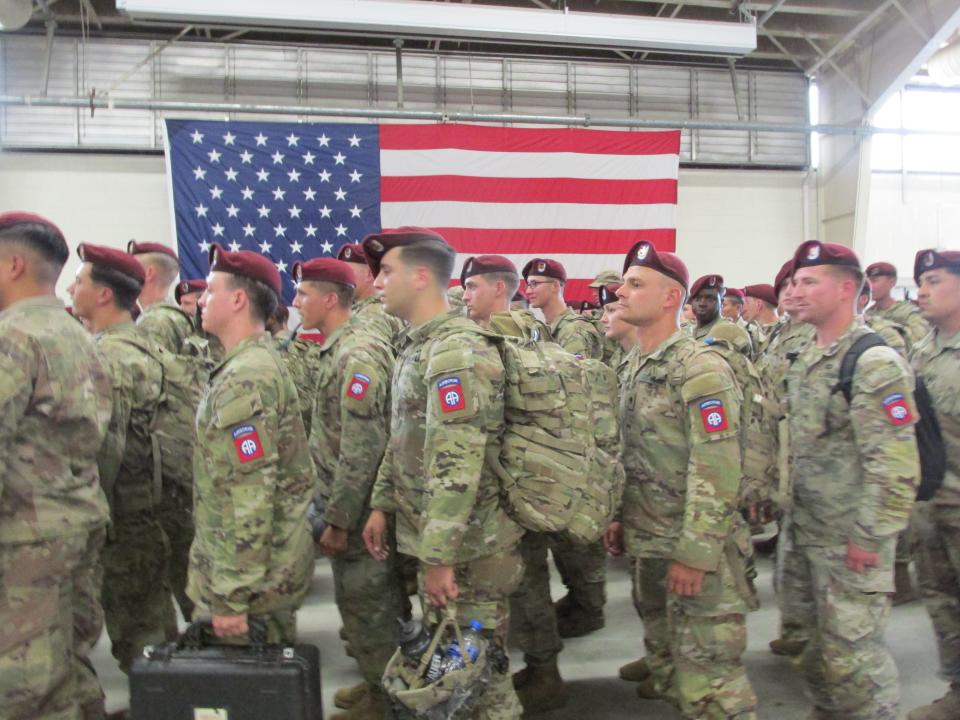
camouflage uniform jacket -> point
(446, 415)
(126, 457)
(301, 358)
(167, 325)
(733, 333)
(577, 335)
(785, 342)
(252, 552)
(680, 420)
(54, 410)
(351, 418)
(893, 334)
(376, 320)
(757, 335)
(854, 467)
(906, 314)
(937, 360)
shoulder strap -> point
(849, 363)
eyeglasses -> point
(534, 284)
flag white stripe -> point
(578, 265)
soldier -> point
(609, 280)
(760, 314)
(894, 334)
(252, 554)
(187, 293)
(351, 406)
(618, 330)
(680, 410)
(367, 303)
(490, 282)
(136, 596)
(54, 410)
(446, 416)
(706, 298)
(883, 278)
(855, 471)
(162, 321)
(732, 309)
(545, 282)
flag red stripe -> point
(474, 241)
(503, 139)
(527, 190)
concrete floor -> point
(590, 664)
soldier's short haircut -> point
(846, 271)
(511, 281)
(167, 267)
(125, 289)
(263, 300)
(434, 254)
(344, 293)
(44, 241)
(739, 300)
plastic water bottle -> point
(473, 640)
(414, 639)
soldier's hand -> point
(333, 542)
(439, 585)
(860, 560)
(375, 535)
(684, 580)
(613, 539)
(230, 625)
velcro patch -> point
(714, 416)
(897, 409)
(451, 394)
(358, 386)
(247, 441)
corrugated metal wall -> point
(211, 72)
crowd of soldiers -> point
(376, 448)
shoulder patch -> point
(246, 439)
(358, 386)
(898, 411)
(451, 394)
(713, 415)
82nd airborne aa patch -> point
(713, 415)
(450, 391)
(358, 386)
(897, 409)
(247, 442)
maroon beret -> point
(734, 293)
(645, 254)
(11, 219)
(246, 264)
(483, 264)
(185, 287)
(761, 292)
(786, 272)
(881, 268)
(379, 244)
(813, 253)
(545, 267)
(352, 253)
(112, 259)
(934, 259)
(325, 270)
(707, 281)
(135, 248)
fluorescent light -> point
(413, 18)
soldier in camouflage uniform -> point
(252, 555)
(187, 295)
(706, 298)
(367, 303)
(351, 407)
(54, 410)
(680, 413)
(760, 313)
(893, 334)
(447, 413)
(855, 471)
(617, 329)
(137, 600)
(936, 522)
(609, 280)
(202, 346)
(883, 278)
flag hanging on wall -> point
(294, 191)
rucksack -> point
(930, 446)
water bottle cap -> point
(476, 625)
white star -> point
(234, 246)
(264, 211)
(215, 192)
(309, 158)
(248, 230)
(280, 231)
(354, 141)
(309, 193)
(295, 247)
(199, 173)
(247, 193)
(292, 140)
(262, 175)
(294, 176)
(246, 156)
(324, 140)
(294, 212)
(355, 176)
(326, 246)
(311, 230)
(341, 229)
(214, 156)
(277, 157)
(281, 266)
(232, 210)
(325, 212)
(355, 211)
(231, 175)
(278, 193)
(324, 176)
(197, 137)
(229, 138)
(204, 247)
(218, 230)
(339, 158)
(265, 247)
(261, 140)
(340, 193)
(201, 210)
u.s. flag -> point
(295, 191)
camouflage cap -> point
(376, 245)
(813, 253)
(545, 267)
(607, 277)
(185, 287)
(483, 264)
(645, 254)
(324, 270)
(879, 269)
(112, 259)
(352, 253)
(933, 259)
(707, 282)
(246, 264)
(761, 292)
(138, 248)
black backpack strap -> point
(849, 363)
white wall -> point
(741, 224)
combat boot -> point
(636, 671)
(946, 708)
(579, 623)
(787, 648)
(522, 677)
(543, 690)
(371, 706)
(647, 689)
(903, 592)
(347, 697)
(564, 606)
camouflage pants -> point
(849, 672)
(533, 620)
(137, 604)
(937, 553)
(368, 595)
(281, 626)
(790, 585)
(695, 644)
(583, 569)
(176, 517)
(485, 585)
(50, 619)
